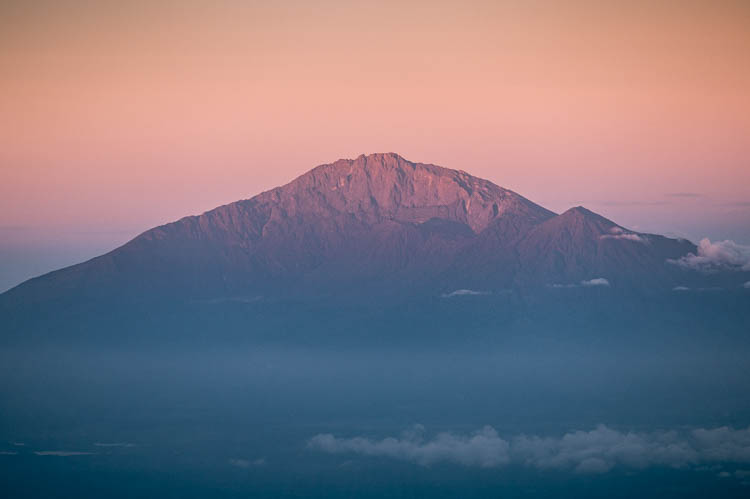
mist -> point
(271, 421)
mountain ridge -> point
(364, 222)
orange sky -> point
(115, 118)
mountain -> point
(378, 228)
(369, 217)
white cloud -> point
(620, 233)
(746, 285)
(113, 444)
(463, 292)
(599, 281)
(597, 451)
(62, 453)
(685, 288)
(726, 255)
(627, 237)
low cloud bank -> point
(483, 448)
(597, 451)
(721, 255)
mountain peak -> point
(387, 186)
(382, 156)
(579, 214)
(376, 163)
(579, 211)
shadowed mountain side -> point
(580, 245)
(567, 249)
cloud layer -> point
(721, 255)
(597, 451)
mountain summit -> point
(382, 187)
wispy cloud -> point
(8, 453)
(683, 195)
(596, 451)
(113, 444)
(721, 255)
(634, 203)
(62, 453)
(464, 292)
(746, 285)
(620, 233)
(685, 288)
(739, 204)
(627, 237)
(245, 463)
(597, 281)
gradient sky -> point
(118, 116)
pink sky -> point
(115, 118)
